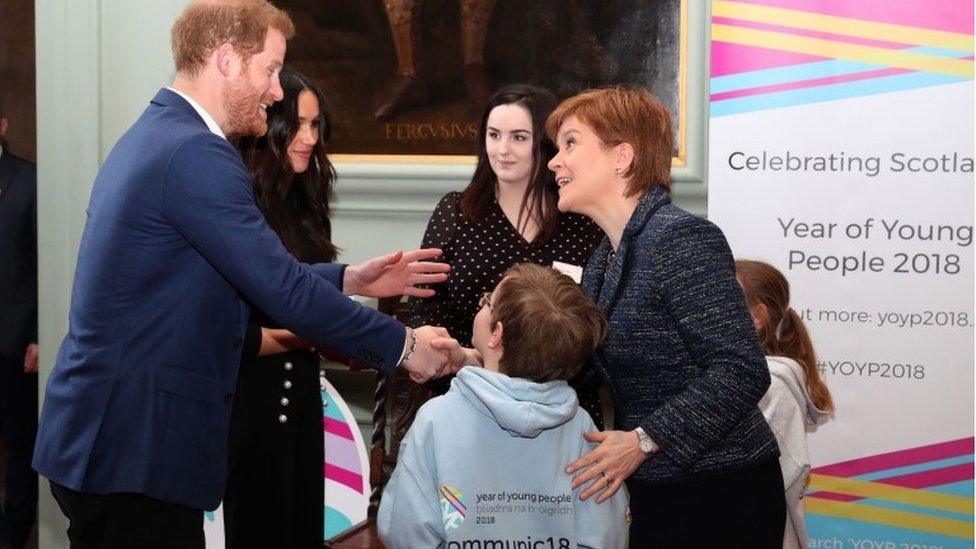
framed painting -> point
(405, 79)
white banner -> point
(841, 151)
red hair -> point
(618, 115)
(205, 25)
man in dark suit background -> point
(134, 428)
(18, 340)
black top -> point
(479, 253)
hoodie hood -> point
(523, 408)
(791, 373)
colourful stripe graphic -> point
(902, 489)
(454, 498)
(343, 452)
(346, 466)
(345, 477)
(338, 428)
(765, 56)
(846, 26)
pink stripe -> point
(919, 480)
(901, 458)
(735, 58)
(336, 427)
(947, 15)
(807, 83)
(811, 33)
(834, 497)
(935, 477)
(344, 477)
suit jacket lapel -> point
(648, 204)
(613, 269)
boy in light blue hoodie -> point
(483, 466)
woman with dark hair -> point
(681, 358)
(506, 215)
(275, 487)
(797, 397)
(293, 177)
(275, 494)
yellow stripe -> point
(839, 50)
(890, 517)
(887, 492)
(859, 28)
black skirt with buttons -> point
(275, 485)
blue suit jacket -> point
(140, 396)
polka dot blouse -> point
(480, 252)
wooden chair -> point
(396, 402)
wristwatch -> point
(644, 441)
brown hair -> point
(206, 24)
(783, 333)
(619, 115)
(551, 327)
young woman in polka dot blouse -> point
(506, 215)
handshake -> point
(434, 354)
(430, 352)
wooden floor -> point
(363, 536)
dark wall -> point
(17, 75)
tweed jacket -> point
(681, 358)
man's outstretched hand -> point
(397, 273)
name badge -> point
(572, 271)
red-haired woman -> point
(681, 358)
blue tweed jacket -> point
(681, 359)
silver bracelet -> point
(413, 347)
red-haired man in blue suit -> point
(133, 432)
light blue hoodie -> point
(483, 467)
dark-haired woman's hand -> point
(398, 273)
(608, 465)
